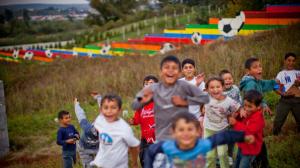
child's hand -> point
(200, 78)
(71, 141)
(231, 120)
(75, 100)
(267, 110)
(130, 121)
(249, 139)
(77, 136)
(94, 94)
(243, 113)
(178, 101)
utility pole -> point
(4, 142)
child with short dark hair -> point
(145, 118)
(186, 149)
(217, 110)
(230, 89)
(66, 137)
(290, 100)
(115, 136)
(171, 96)
(252, 124)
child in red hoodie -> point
(251, 121)
(145, 118)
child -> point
(66, 137)
(170, 96)
(291, 100)
(89, 142)
(115, 136)
(230, 89)
(215, 118)
(187, 149)
(253, 81)
(252, 124)
(145, 118)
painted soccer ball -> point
(105, 49)
(48, 53)
(28, 55)
(196, 38)
(15, 54)
(166, 48)
(229, 27)
(75, 54)
(90, 55)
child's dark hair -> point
(253, 96)
(188, 61)
(212, 79)
(62, 113)
(224, 71)
(150, 77)
(250, 61)
(290, 54)
(112, 97)
(188, 117)
(170, 58)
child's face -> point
(215, 89)
(149, 82)
(228, 80)
(185, 134)
(188, 71)
(110, 110)
(255, 70)
(66, 120)
(289, 62)
(250, 107)
(169, 73)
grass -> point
(36, 92)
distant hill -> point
(45, 6)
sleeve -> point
(98, 98)
(279, 77)
(88, 129)
(80, 114)
(226, 137)
(136, 104)
(136, 117)
(59, 138)
(130, 139)
(75, 131)
(254, 125)
(195, 95)
(268, 85)
(251, 85)
(234, 106)
(150, 154)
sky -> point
(10, 2)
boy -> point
(66, 137)
(145, 118)
(230, 89)
(253, 81)
(187, 149)
(290, 101)
(171, 96)
(252, 124)
(115, 136)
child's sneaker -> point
(230, 160)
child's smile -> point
(169, 73)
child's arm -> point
(136, 118)
(134, 152)
(143, 97)
(254, 125)
(199, 79)
(97, 97)
(61, 142)
(152, 151)
(268, 85)
(195, 95)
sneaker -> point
(230, 160)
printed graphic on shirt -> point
(216, 114)
(146, 113)
(199, 162)
(105, 139)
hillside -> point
(36, 92)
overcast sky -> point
(9, 2)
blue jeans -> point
(243, 161)
(69, 157)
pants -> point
(69, 157)
(243, 161)
(86, 155)
(261, 160)
(284, 106)
(143, 149)
(220, 152)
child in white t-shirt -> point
(290, 100)
(115, 136)
(217, 110)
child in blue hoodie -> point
(253, 81)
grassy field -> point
(36, 92)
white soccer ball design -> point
(229, 27)
(166, 48)
(105, 49)
(196, 38)
(48, 53)
(90, 55)
(28, 55)
(15, 54)
(75, 54)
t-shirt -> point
(195, 109)
(216, 112)
(234, 93)
(288, 77)
(115, 138)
